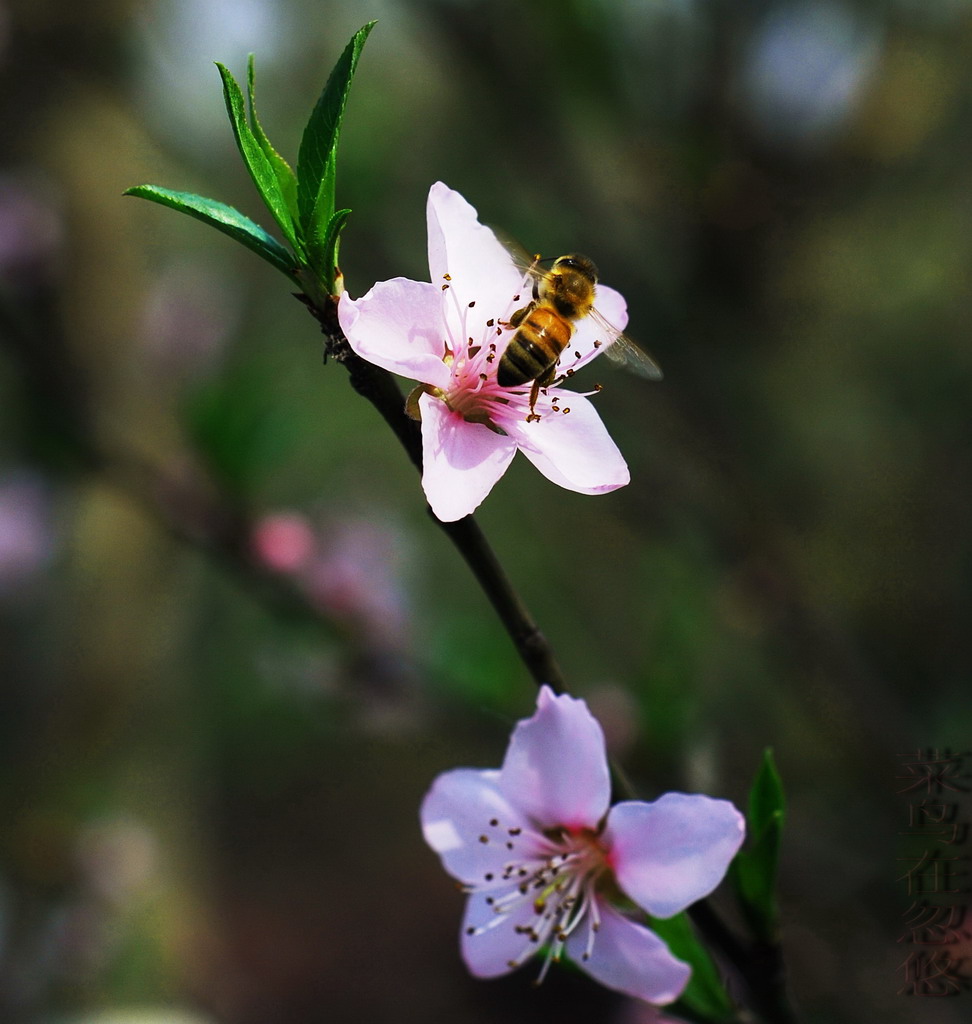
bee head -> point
(574, 263)
(569, 287)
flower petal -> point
(457, 814)
(398, 325)
(670, 853)
(479, 268)
(461, 460)
(629, 958)
(555, 770)
(490, 942)
(573, 449)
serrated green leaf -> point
(317, 158)
(286, 178)
(705, 995)
(754, 870)
(226, 219)
(261, 171)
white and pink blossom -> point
(547, 862)
(449, 335)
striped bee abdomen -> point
(535, 348)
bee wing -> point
(623, 352)
(522, 259)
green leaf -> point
(286, 178)
(317, 158)
(766, 801)
(226, 219)
(332, 238)
(754, 870)
(261, 170)
(705, 996)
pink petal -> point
(398, 325)
(461, 460)
(480, 268)
(629, 958)
(555, 770)
(670, 853)
(458, 812)
(573, 449)
(489, 953)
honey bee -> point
(561, 296)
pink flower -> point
(544, 858)
(450, 335)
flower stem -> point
(379, 387)
(529, 641)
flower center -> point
(472, 352)
(548, 885)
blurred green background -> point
(211, 763)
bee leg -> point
(541, 383)
(517, 318)
(534, 395)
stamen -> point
(493, 922)
(544, 896)
(529, 949)
(462, 313)
(552, 954)
(593, 928)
